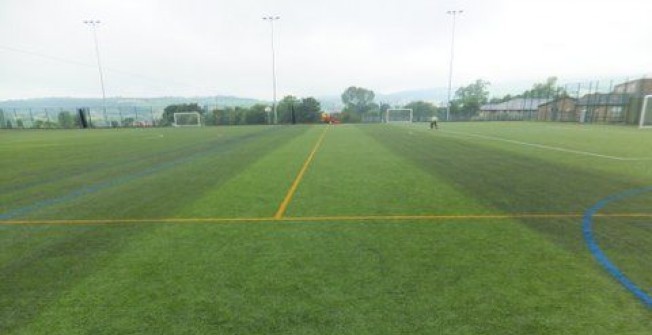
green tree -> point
(358, 100)
(384, 107)
(497, 100)
(221, 117)
(40, 124)
(288, 105)
(309, 111)
(545, 89)
(66, 120)
(167, 118)
(468, 99)
(209, 119)
(128, 122)
(421, 110)
(548, 89)
(256, 114)
(239, 115)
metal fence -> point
(54, 118)
(611, 101)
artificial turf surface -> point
(166, 262)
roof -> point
(557, 100)
(518, 104)
(631, 82)
(603, 99)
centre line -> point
(288, 197)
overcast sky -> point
(209, 47)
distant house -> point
(639, 87)
(515, 109)
(560, 109)
(637, 90)
(601, 107)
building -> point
(515, 109)
(603, 107)
(638, 87)
(560, 109)
(637, 90)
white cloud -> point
(198, 47)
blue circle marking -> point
(599, 255)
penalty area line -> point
(546, 147)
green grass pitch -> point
(472, 229)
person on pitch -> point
(433, 122)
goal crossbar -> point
(186, 116)
(404, 110)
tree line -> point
(466, 102)
(290, 110)
(359, 106)
(359, 103)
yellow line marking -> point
(153, 220)
(331, 218)
(462, 217)
(288, 197)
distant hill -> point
(222, 101)
(328, 102)
(435, 95)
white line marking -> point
(547, 147)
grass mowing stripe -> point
(343, 218)
(46, 268)
(230, 145)
(368, 278)
(288, 198)
(599, 255)
(128, 159)
(543, 146)
(513, 182)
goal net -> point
(399, 115)
(646, 112)
(188, 119)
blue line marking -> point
(222, 147)
(598, 254)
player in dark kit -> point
(433, 123)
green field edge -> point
(343, 218)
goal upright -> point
(399, 115)
(646, 113)
(187, 119)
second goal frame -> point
(187, 116)
(644, 113)
(409, 110)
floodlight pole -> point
(93, 24)
(454, 13)
(271, 20)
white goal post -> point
(187, 119)
(399, 115)
(646, 113)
